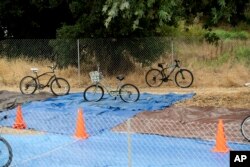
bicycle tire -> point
(245, 128)
(28, 85)
(93, 93)
(130, 91)
(154, 78)
(6, 153)
(59, 86)
(186, 78)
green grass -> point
(222, 34)
(242, 54)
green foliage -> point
(215, 12)
(118, 55)
(69, 31)
(122, 24)
(116, 19)
(223, 10)
(112, 18)
(212, 38)
(31, 48)
(247, 13)
(141, 17)
(243, 35)
(148, 50)
(65, 51)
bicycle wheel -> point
(93, 93)
(59, 86)
(28, 85)
(129, 93)
(245, 128)
(5, 153)
(154, 78)
(184, 78)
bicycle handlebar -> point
(52, 67)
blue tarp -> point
(111, 149)
(58, 115)
(59, 147)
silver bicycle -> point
(126, 91)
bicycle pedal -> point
(165, 79)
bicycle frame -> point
(98, 86)
(182, 76)
(49, 81)
(173, 66)
(114, 92)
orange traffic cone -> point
(80, 131)
(221, 143)
(19, 123)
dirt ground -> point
(236, 97)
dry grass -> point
(194, 56)
(12, 71)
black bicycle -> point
(57, 85)
(183, 77)
(245, 128)
(5, 151)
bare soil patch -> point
(196, 117)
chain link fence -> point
(129, 56)
(117, 141)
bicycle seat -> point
(160, 65)
(120, 77)
(34, 69)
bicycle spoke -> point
(129, 93)
(28, 85)
(60, 86)
(184, 78)
(93, 93)
(154, 78)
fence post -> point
(78, 57)
(172, 49)
(129, 143)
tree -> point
(213, 12)
(120, 18)
(33, 18)
(123, 24)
